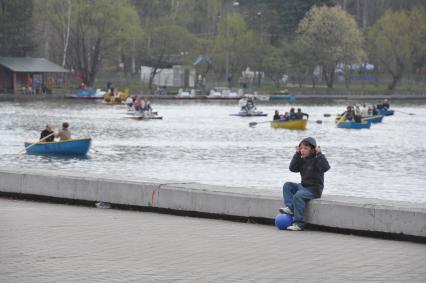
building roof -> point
(31, 65)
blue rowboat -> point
(71, 147)
(250, 114)
(282, 97)
(373, 119)
(385, 112)
(354, 125)
(86, 92)
(90, 93)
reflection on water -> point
(200, 142)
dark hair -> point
(65, 125)
(305, 143)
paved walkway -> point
(41, 242)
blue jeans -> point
(295, 197)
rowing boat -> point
(293, 124)
(354, 125)
(71, 147)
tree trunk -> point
(151, 79)
(95, 62)
(394, 82)
(329, 77)
(67, 35)
(396, 76)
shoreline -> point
(262, 97)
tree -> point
(168, 44)
(16, 27)
(53, 24)
(100, 29)
(275, 62)
(330, 36)
(301, 64)
(391, 44)
(233, 45)
(418, 23)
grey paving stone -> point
(41, 242)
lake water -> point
(200, 142)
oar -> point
(342, 118)
(43, 139)
(405, 112)
(252, 124)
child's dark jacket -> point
(312, 169)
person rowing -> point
(299, 114)
(47, 135)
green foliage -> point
(418, 29)
(16, 37)
(276, 62)
(168, 43)
(397, 41)
(233, 42)
(99, 29)
(329, 35)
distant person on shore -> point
(48, 131)
(109, 87)
(312, 164)
(65, 133)
(299, 114)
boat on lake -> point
(70, 147)
(354, 125)
(282, 97)
(373, 119)
(290, 124)
(89, 93)
(145, 115)
(385, 112)
(250, 114)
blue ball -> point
(282, 221)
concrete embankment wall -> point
(330, 212)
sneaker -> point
(294, 227)
(286, 210)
